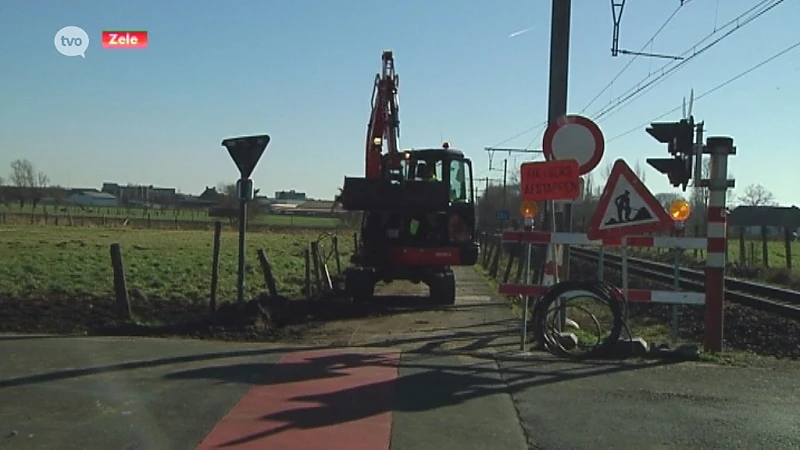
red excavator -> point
(418, 207)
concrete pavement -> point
(459, 383)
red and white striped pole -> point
(719, 148)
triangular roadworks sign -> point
(626, 207)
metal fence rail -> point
(784, 302)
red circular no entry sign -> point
(574, 137)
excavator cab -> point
(423, 201)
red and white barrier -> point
(634, 295)
(556, 240)
(542, 237)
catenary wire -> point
(714, 89)
(635, 57)
(666, 71)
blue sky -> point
(302, 71)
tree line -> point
(493, 198)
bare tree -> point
(666, 198)
(637, 169)
(30, 184)
(757, 195)
(228, 190)
(22, 177)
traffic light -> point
(679, 137)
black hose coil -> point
(542, 322)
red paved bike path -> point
(332, 399)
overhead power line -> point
(635, 56)
(712, 90)
(670, 68)
(639, 89)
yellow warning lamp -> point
(679, 210)
(528, 209)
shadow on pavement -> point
(429, 386)
(426, 344)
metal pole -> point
(242, 231)
(505, 174)
(624, 256)
(523, 339)
(719, 148)
(559, 65)
(676, 259)
(557, 95)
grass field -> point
(65, 262)
(181, 215)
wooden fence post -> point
(212, 304)
(742, 248)
(787, 244)
(269, 277)
(315, 259)
(335, 240)
(307, 257)
(123, 305)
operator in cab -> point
(420, 225)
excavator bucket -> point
(379, 194)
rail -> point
(784, 302)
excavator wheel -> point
(359, 286)
(443, 288)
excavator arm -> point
(384, 122)
(375, 191)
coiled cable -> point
(543, 321)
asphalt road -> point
(460, 384)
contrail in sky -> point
(517, 33)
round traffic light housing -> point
(679, 210)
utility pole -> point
(505, 178)
(557, 106)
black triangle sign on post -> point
(246, 151)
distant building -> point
(775, 219)
(211, 195)
(92, 198)
(290, 195)
(140, 194)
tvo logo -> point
(72, 41)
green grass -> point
(180, 214)
(41, 261)
(776, 254)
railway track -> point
(784, 302)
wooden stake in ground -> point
(123, 305)
(212, 303)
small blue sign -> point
(501, 214)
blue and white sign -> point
(501, 214)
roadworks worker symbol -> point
(626, 207)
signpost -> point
(574, 137)
(549, 180)
(245, 152)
